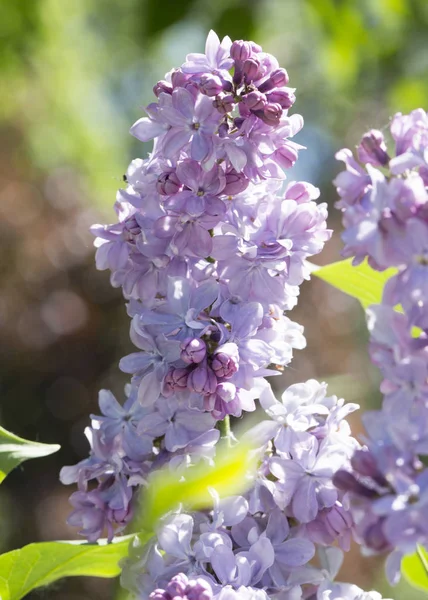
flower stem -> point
(225, 428)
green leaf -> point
(415, 568)
(14, 450)
(361, 282)
(230, 475)
(37, 565)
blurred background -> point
(75, 75)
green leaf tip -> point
(15, 450)
(360, 281)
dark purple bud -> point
(364, 463)
(162, 87)
(193, 350)
(223, 130)
(277, 78)
(372, 149)
(210, 85)
(235, 183)
(271, 114)
(238, 122)
(240, 50)
(225, 363)
(375, 538)
(227, 85)
(255, 100)
(168, 184)
(285, 97)
(202, 380)
(175, 380)
(347, 482)
(251, 69)
(224, 103)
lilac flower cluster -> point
(210, 252)
(384, 198)
(260, 545)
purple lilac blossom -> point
(265, 541)
(209, 253)
(384, 202)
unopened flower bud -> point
(175, 380)
(255, 100)
(251, 69)
(132, 226)
(301, 192)
(372, 149)
(285, 97)
(225, 361)
(286, 156)
(162, 87)
(193, 350)
(240, 50)
(347, 482)
(178, 78)
(202, 380)
(210, 85)
(271, 114)
(374, 537)
(364, 463)
(255, 47)
(168, 184)
(224, 103)
(235, 183)
(277, 78)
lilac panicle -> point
(384, 202)
(210, 250)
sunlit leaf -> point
(362, 282)
(415, 568)
(37, 565)
(14, 450)
(230, 475)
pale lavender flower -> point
(345, 591)
(150, 366)
(216, 58)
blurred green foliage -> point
(76, 71)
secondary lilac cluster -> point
(260, 545)
(384, 198)
(210, 250)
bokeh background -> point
(75, 74)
